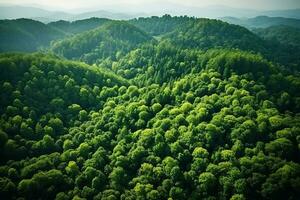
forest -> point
(150, 108)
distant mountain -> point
(286, 35)
(45, 16)
(263, 21)
(26, 35)
(103, 14)
(216, 11)
(121, 13)
(15, 12)
(293, 13)
(284, 42)
(220, 11)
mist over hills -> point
(263, 21)
(46, 16)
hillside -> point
(283, 42)
(113, 39)
(160, 25)
(26, 35)
(46, 76)
(205, 34)
(286, 35)
(168, 108)
(197, 131)
(263, 21)
(78, 26)
(46, 16)
(38, 88)
(166, 63)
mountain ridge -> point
(263, 21)
(168, 108)
(13, 12)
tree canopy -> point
(153, 108)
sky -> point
(144, 5)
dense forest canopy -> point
(206, 34)
(26, 35)
(79, 25)
(111, 40)
(150, 108)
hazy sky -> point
(144, 4)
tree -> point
(7, 187)
(156, 107)
(237, 197)
(84, 149)
(68, 144)
(3, 138)
(284, 180)
(227, 155)
(281, 147)
(118, 178)
(72, 168)
(169, 163)
(56, 124)
(99, 181)
(186, 107)
(207, 182)
(200, 152)
(276, 122)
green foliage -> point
(206, 34)
(160, 25)
(174, 118)
(26, 35)
(283, 42)
(78, 26)
(107, 41)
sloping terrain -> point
(159, 25)
(206, 33)
(283, 43)
(263, 22)
(286, 35)
(26, 35)
(78, 26)
(110, 40)
(197, 113)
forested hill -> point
(286, 35)
(78, 26)
(183, 31)
(160, 25)
(111, 40)
(284, 43)
(39, 80)
(206, 33)
(26, 35)
(263, 22)
(153, 108)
